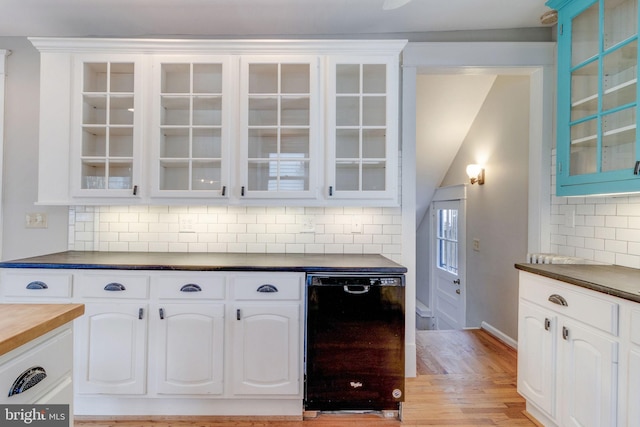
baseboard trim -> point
(500, 335)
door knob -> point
(457, 281)
(458, 291)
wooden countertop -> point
(622, 282)
(210, 262)
(21, 323)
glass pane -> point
(206, 176)
(263, 143)
(373, 176)
(94, 110)
(619, 76)
(121, 110)
(121, 142)
(119, 175)
(175, 110)
(207, 111)
(294, 141)
(583, 156)
(207, 143)
(374, 78)
(263, 111)
(95, 77)
(348, 143)
(447, 236)
(619, 140)
(207, 78)
(174, 143)
(174, 175)
(620, 21)
(263, 78)
(94, 141)
(94, 175)
(294, 175)
(584, 35)
(259, 177)
(295, 78)
(175, 78)
(347, 176)
(348, 111)
(121, 77)
(374, 143)
(584, 91)
(348, 78)
(295, 111)
(374, 111)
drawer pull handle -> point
(356, 289)
(267, 288)
(224, 190)
(557, 299)
(242, 191)
(191, 287)
(636, 169)
(565, 333)
(27, 379)
(114, 287)
(238, 314)
(37, 285)
(331, 190)
(547, 324)
(161, 311)
(140, 313)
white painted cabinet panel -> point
(266, 349)
(111, 349)
(189, 348)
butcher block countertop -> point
(210, 262)
(622, 282)
(21, 323)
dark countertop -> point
(305, 263)
(622, 282)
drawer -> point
(267, 286)
(132, 286)
(52, 357)
(189, 286)
(36, 283)
(584, 305)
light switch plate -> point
(35, 220)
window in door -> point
(447, 240)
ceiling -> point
(259, 18)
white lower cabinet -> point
(567, 353)
(189, 348)
(111, 349)
(266, 349)
(630, 392)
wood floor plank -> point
(465, 379)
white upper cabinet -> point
(279, 126)
(362, 127)
(129, 121)
(190, 127)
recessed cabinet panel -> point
(597, 97)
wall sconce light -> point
(476, 174)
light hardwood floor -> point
(465, 379)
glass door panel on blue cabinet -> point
(597, 141)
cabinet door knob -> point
(565, 333)
(37, 285)
(331, 190)
(140, 313)
(547, 324)
(238, 314)
(114, 287)
(161, 311)
(135, 190)
(224, 190)
(558, 299)
(242, 191)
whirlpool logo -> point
(34, 415)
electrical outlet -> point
(308, 224)
(35, 220)
(356, 225)
(187, 224)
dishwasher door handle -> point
(356, 289)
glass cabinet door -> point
(189, 128)
(108, 128)
(361, 129)
(278, 126)
(601, 56)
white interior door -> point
(447, 268)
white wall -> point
(496, 211)
(21, 159)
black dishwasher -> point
(354, 342)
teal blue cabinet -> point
(597, 139)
